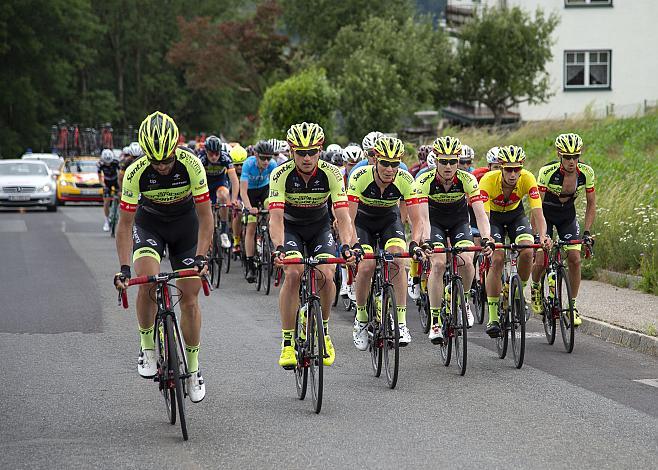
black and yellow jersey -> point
(304, 202)
(165, 195)
(373, 202)
(491, 189)
(450, 202)
(551, 179)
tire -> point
(215, 265)
(391, 337)
(337, 282)
(258, 259)
(446, 347)
(460, 325)
(563, 301)
(548, 314)
(375, 336)
(502, 340)
(481, 291)
(267, 263)
(53, 208)
(162, 352)
(316, 353)
(226, 255)
(424, 312)
(174, 365)
(301, 371)
(517, 321)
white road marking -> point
(650, 382)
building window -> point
(587, 3)
(587, 69)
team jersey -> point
(480, 172)
(255, 177)
(110, 171)
(491, 189)
(216, 171)
(551, 178)
(365, 162)
(126, 162)
(373, 202)
(450, 202)
(304, 202)
(165, 195)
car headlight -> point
(46, 188)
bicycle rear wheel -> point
(563, 300)
(337, 282)
(162, 353)
(424, 311)
(301, 369)
(267, 262)
(315, 333)
(517, 321)
(548, 306)
(460, 325)
(226, 259)
(174, 365)
(391, 336)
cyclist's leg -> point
(493, 283)
(393, 238)
(438, 265)
(223, 197)
(519, 230)
(366, 268)
(460, 235)
(538, 266)
(570, 230)
(107, 199)
(289, 295)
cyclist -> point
(493, 164)
(299, 217)
(466, 159)
(352, 154)
(165, 201)
(559, 184)
(108, 175)
(374, 192)
(444, 194)
(502, 192)
(368, 145)
(238, 155)
(423, 152)
(133, 153)
(218, 165)
(254, 190)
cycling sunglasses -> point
(513, 169)
(307, 152)
(166, 161)
(447, 161)
(386, 163)
(568, 156)
(264, 157)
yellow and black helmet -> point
(447, 145)
(306, 135)
(389, 148)
(569, 144)
(238, 154)
(511, 155)
(158, 136)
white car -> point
(27, 183)
(53, 161)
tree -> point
(317, 22)
(384, 70)
(307, 96)
(502, 57)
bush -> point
(307, 96)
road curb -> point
(614, 334)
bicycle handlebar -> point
(515, 246)
(313, 261)
(394, 255)
(164, 277)
(458, 249)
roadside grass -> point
(624, 156)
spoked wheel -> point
(391, 337)
(460, 326)
(548, 313)
(316, 352)
(268, 266)
(175, 374)
(517, 321)
(226, 258)
(162, 352)
(337, 283)
(424, 311)
(446, 346)
(501, 341)
(563, 301)
(479, 300)
(259, 270)
(301, 369)
(375, 335)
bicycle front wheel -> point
(502, 340)
(548, 312)
(517, 321)
(301, 369)
(564, 303)
(375, 334)
(446, 346)
(315, 333)
(391, 336)
(267, 262)
(174, 365)
(424, 311)
(226, 255)
(162, 353)
(460, 325)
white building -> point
(605, 55)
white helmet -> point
(135, 150)
(369, 140)
(126, 150)
(107, 156)
(467, 153)
(276, 145)
(492, 155)
(353, 154)
(226, 148)
(431, 162)
(284, 147)
(334, 148)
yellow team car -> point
(78, 181)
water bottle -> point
(551, 284)
(302, 320)
(446, 296)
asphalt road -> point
(71, 398)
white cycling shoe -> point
(436, 334)
(413, 290)
(350, 293)
(147, 366)
(196, 388)
(106, 226)
(469, 315)
(344, 288)
(405, 335)
(360, 335)
(224, 240)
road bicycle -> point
(219, 257)
(478, 288)
(113, 214)
(169, 349)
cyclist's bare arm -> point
(481, 219)
(417, 222)
(244, 194)
(352, 208)
(276, 227)
(235, 184)
(206, 224)
(124, 237)
(590, 211)
(346, 229)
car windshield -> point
(81, 166)
(52, 163)
(22, 169)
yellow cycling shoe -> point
(537, 306)
(577, 321)
(288, 359)
(329, 352)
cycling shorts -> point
(514, 224)
(257, 198)
(108, 186)
(221, 181)
(567, 229)
(151, 235)
(459, 234)
(388, 230)
(314, 239)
